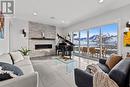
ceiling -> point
(66, 12)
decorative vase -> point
(26, 56)
(42, 34)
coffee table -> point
(70, 64)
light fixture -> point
(35, 14)
(101, 1)
(128, 24)
(63, 21)
(52, 17)
(24, 32)
(129, 21)
(127, 27)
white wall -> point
(4, 43)
(17, 40)
(13, 35)
(120, 16)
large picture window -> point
(98, 42)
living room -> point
(65, 43)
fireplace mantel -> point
(42, 38)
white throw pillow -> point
(6, 58)
(17, 56)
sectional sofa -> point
(29, 77)
(120, 74)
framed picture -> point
(1, 26)
(127, 35)
(127, 39)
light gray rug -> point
(53, 73)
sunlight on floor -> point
(82, 63)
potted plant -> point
(25, 52)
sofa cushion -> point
(8, 67)
(82, 78)
(120, 73)
(16, 56)
(6, 58)
(27, 69)
(24, 62)
(113, 60)
(104, 67)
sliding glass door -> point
(83, 41)
(94, 42)
(94, 37)
(76, 42)
(99, 42)
(109, 39)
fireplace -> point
(43, 46)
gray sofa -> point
(120, 74)
(30, 77)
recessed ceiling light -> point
(52, 17)
(101, 1)
(63, 21)
(35, 14)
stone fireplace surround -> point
(41, 52)
(35, 30)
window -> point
(109, 38)
(94, 37)
(84, 41)
(76, 41)
(102, 41)
(83, 38)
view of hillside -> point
(105, 36)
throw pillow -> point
(8, 71)
(6, 58)
(5, 76)
(16, 56)
(113, 60)
(8, 67)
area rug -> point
(53, 74)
